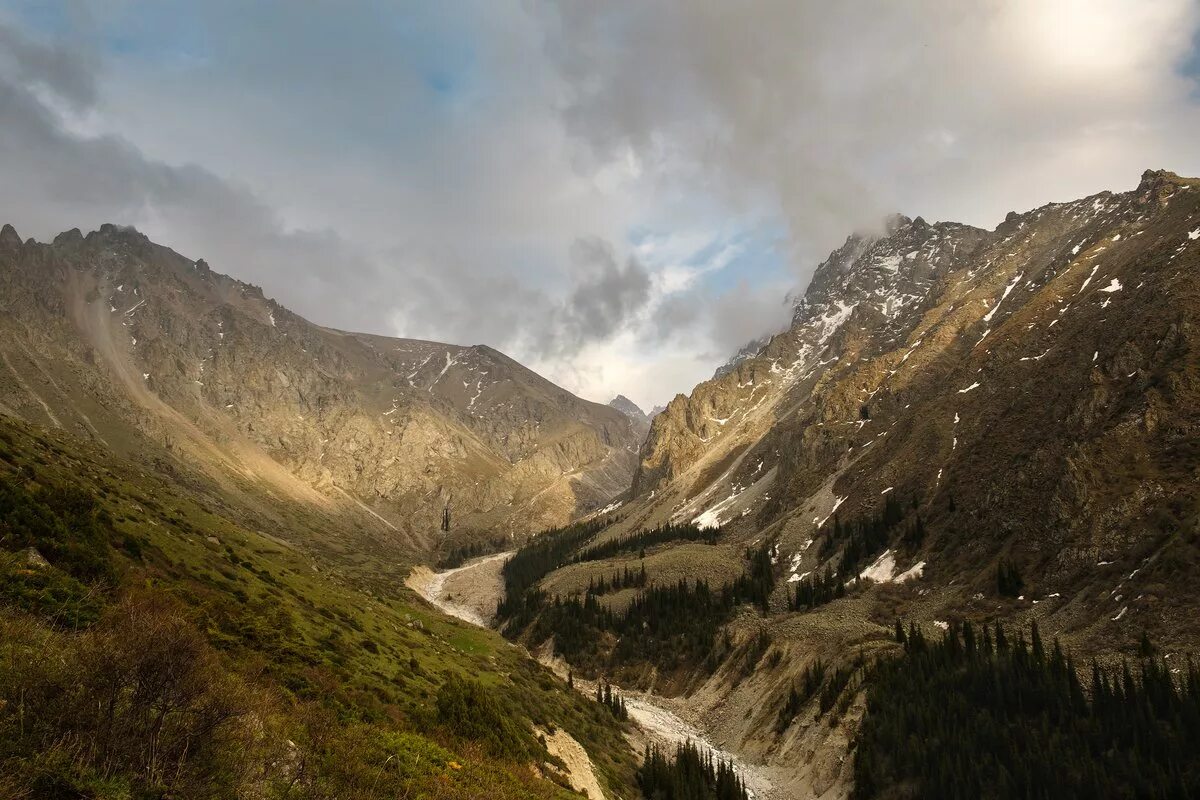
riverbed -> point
(470, 593)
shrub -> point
(467, 710)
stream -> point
(470, 593)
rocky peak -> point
(889, 272)
(627, 407)
(1158, 185)
(746, 351)
(71, 238)
(638, 419)
(878, 294)
(9, 236)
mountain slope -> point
(113, 337)
(164, 639)
(1026, 398)
(1042, 375)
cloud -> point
(597, 189)
(410, 193)
(605, 296)
(837, 113)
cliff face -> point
(119, 339)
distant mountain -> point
(627, 407)
(637, 417)
(113, 337)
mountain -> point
(113, 337)
(746, 351)
(985, 425)
(641, 422)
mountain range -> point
(961, 427)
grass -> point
(293, 600)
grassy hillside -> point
(160, 641)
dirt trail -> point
(470, 593)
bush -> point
(468, 711)
(46, 592)
(65, 524)
(139, 696)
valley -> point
(426, 555)
(684, 400)
(658, 724)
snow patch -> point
(712, 517)
(1087, 281)
(912, 573)
(836, 504)
(1007, 289)
(882, 570)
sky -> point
(619, 194)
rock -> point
(31, 558)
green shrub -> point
(467, 710)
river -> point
(470, 593)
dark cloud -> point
(746, 313)
(68, 180)
(66, 71)
(606, 295)
(71, 180)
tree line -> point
(606, 697)
(668, 625)
(638, 542)
(979, 714)
(688, 775)
(537, 559)
(862, 539)
(623, 579)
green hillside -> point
(160, 641)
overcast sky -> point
(619, 194)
